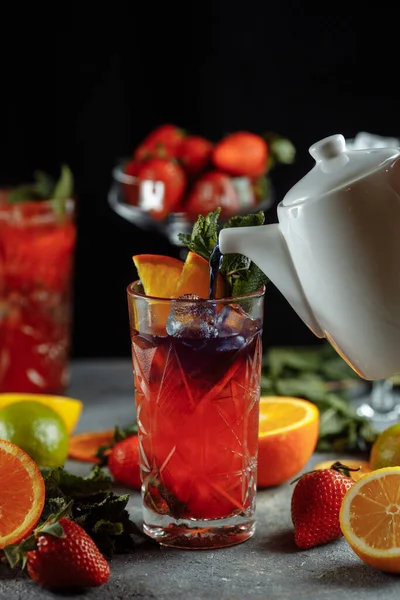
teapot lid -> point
(336, 166)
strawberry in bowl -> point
(212, 190)
(173, 175)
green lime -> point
(37, 429)
(385, 451)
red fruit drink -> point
(197, 388)
(36, 265)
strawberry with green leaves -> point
(66, 557)
(316, 503)
(60, 555)
(121, 456)
(123, 462)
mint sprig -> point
(90, 502)
(204, 235)
(44, 187)
(94, 506)
(241, 275)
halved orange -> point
(370, 518)
(69, 409)
(363, 466)
(195, 278)
(22, 494)
(159, 274)
(84, 446)
(288, 435)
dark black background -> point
(85, 88)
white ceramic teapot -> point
(335, 253)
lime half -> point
(37, 429)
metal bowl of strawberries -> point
(173, 176)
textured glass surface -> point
(197, 407)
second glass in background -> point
(36, 268)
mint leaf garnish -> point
(241, 275)
(64, 187)
(44, 187)
(24, 193)
(249, 281)
(245, 221)
(62, 191)
(44, 184)
(204, 235)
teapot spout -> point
(267, 248)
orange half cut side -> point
(22, 494)
(287, 437)
(370, 519)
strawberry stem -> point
(336, 466)
(343, 469)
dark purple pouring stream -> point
(215, 264)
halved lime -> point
(37, 429)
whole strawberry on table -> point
(195, 175)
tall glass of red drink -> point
(36, 267)
(197, 366)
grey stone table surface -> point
(268, 566)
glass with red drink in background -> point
(37, 241)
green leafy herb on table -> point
(323, 377)
(241, 275)
(91, 503)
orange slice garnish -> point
(195, 278)
(166, 277)
(159, 274)
(288, 435)
(370, 519)
(22, 494)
